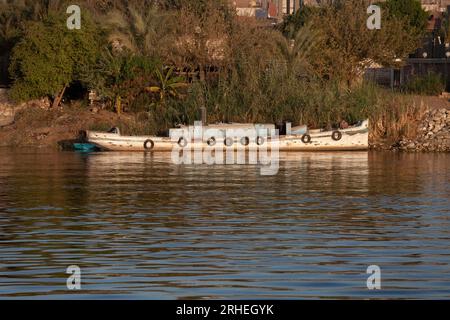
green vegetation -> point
(345, 46)
(431, 84)
(162, 60)
(410, 11)
(49, 57)
(118, 77)
(294, 22)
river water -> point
(141, 227)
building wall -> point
(442, 3)
(280, 7)
(261, 8)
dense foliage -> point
(345, 46)
(410, 11)
(49, 57)
(136, 53)
(430, 84)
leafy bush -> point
(49, 57)
(431, 84)
(294, 22)
(119, 77)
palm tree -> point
(108, 75)
(139, 29)
(14, 16)
(168, 85)
(296, 53)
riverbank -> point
(423, 127)
(35, 124)
(433, 134)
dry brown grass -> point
(401, 121)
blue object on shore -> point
(85, 147)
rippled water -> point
(140, 227)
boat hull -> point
(353, 139)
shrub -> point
(49, 57)
(430, 84)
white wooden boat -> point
(250, 136)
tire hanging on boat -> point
(182, 142)
(306, 138)
(149, 144)
(211, 142)
(336, 136)
(245, 141)
(260, 141)
(114, 130)
(228, 142)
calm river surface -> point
(141, 227)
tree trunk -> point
(119, 105)
(58, 98)
(202, 74)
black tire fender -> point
(336, 135)
(149, 144)
(306, 138)
(260, 140)
(228, 142)
(182, 142)
(245, 141)
(211, 142)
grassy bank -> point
(393, 116)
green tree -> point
(49, 57)
(143, 30)
(410, 11)
(9, 29)
(445, 28)
(294, 22)
(296, 53)
(119, 76)
(14, 16)
(347, 46)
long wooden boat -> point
(296, 139)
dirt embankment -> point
(35, 124)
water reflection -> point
(142, 227)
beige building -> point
(434, 5)
(439, 3)
(274, 9)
